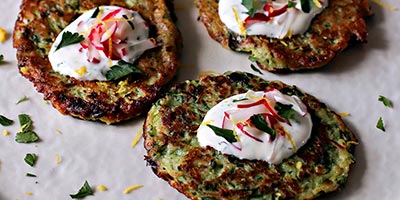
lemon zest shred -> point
(81, 71)
(207, 122)
(317, 3)
(58, 159)
(58, 132)
(384, 5)
(6, 132)
(289, 33)
(299, 165)
(344, 114)
(351, 142)
(132, 188)
(24, 70)
(29, 193)
(290, 138)
(240, 23)
(3, 35)
(284, 43)
(137, 138)
(102, 188)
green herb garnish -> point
(121, 70)
(85, 190)
(239, 100)
(69, 38)
(5, 121)
(249, 4)
(26, 134)
(259, 122)
(1, 58)
(306, 5)
(24, 98)
(291, 4)
(253, 58)
(380, 125)
(30, 159)
(30, 175)
(95, 13)
(385, 101)
(285, 111)
(255, 69)
(225, 133)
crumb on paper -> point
(6, 132)
(3, 35)
(132, 188)
(29, 193)
(384, 5)
(102, 188)
(59, 132)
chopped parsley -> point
(249, 4)
(291, 4)
(121, 70)
(5, 121)
(258, 120)
(85, 191)
(380, 124)
(26, 134)
(95, 13)
(225, 133)
(285, 111)
(306, 5)
(30, 159)
(255, 69)
(239, 100)
(385, 101)
(24, 98)
(69, 38)
(30, 175)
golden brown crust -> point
(338, 26)
(37, 26)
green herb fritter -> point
(40, 21)
(321, 166)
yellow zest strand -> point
(384, 5)
(240, 23)
(284, 43)
(102, 188)
(317, 3)
(58, 132)
(207, 122)
(352, 142)
(137, 138)
(299, 165)
(3, 35)
(344, 114)
(289, 33)
(58, 159)
(29, 193)
(132, 188)
(290, 138)
(6, 133)
(81, 71)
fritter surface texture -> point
(321, 166)
(339, 25)
(39, 23)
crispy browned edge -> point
(198, 158)
(163, 60)
(314, 49)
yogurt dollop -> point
(246, 116)
(273, 18)
(110, 33)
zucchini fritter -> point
(338, 26)
(321, 166)
(39, 23)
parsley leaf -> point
(26, 135)
(5, 121)
(259, 122)
(1, 58)
(291, 4)
(30, 159)
(380, 125)
(285, 111)
(385, 101)
(255, 69)
(249, 4)
(69, 38)
(95, 13)
(85, 190)
(239, 100)
(121, 70)
(306, 5)
(225, 133)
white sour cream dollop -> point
(110, 34)
(234, 113)
(277, 22)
